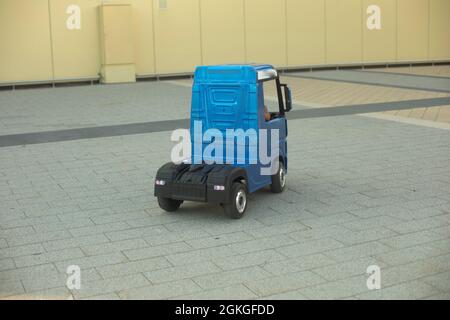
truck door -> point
(271, 101)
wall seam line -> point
(245, 32)
(201, 30)
(52, 55)
(154, 37)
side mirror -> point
(287, 99)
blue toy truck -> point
(228, 97)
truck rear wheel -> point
(238, 204)
(168, 204)
(279, 179)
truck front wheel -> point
(238, 204)
(168, 204)
(279, 179)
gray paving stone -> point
(7, 264)
(412, 239)
(442, 245)
(171, 237)
(57, 280)
(108, 296)
(439, 296)
(11, 252)
(61, 293)
(289, 295)
(90, 230)
(64, 225)
(440, 281)
(355, 237)
(373, 222)
(48, 257)
(310, 247)
(411, 254)
(340, 271)
(128, 268)
(219, 240)
(339, 218)
(424, 203)
(357, 251)
(413, 290)
(34, 272)
(440, 262)
(257, 258)
(13, 232)
(337, 289)
(161, 291)
(92, 261)
(135, 233)
(409, 272)
(235, 292)
(75, 242)
(10, 288)
(280, 284)
(38, 238)
(108, 286)
(261, 244)
(162, 250)
(318, 233)
(301, 263)
(110, 247)
(445, 231)
(169, 274)
(191, 257)
(227, 278)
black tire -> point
(239, 199)
(279, 180)
(168, 204)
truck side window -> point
(270, 97)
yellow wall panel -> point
(76, 51)
(412, 16)
(380, 45)
(439, 29)
(117, 34)
(223, 29)
(177, 36)
(344, 31)
(25, 50)
(306, 32)
(143, 36)
(266, 31)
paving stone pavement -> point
(361, 192)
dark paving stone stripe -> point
(423, 76)
(169, 125)
(367, 108)
(93, 132)
(381, 79)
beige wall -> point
(381, 45)
(306, 32)
(25, 46)
(439, 29)
(35, 44)
(413, 29)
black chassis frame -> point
(201, 191)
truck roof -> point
(250, 73)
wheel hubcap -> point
(241, 201)
(282, 177)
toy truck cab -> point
(237, 146)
